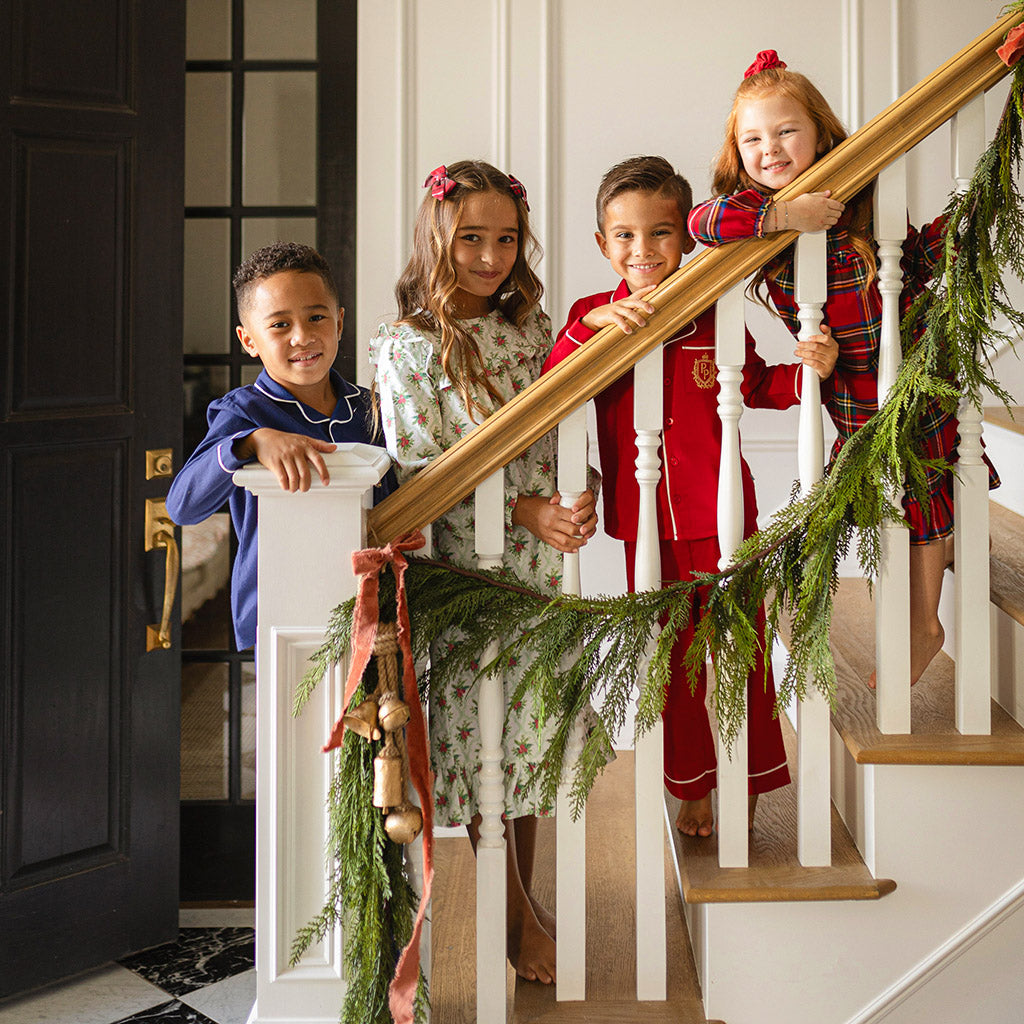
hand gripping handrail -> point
(687, 293)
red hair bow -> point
(519, 190)
(439, 182)
(765, 60)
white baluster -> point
(970, 497)
(570, 836)
(648, 389)
(730, 354)
(814, 799)
(414, 851)
(892, 593)
(490, 852)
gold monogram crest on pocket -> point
(704, 371)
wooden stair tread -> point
(934, 740)
(1007, 560)
(611, 930)
(998, 415)
(612, 1012)
(774, 873)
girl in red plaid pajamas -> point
(779, 125)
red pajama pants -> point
(689, 745)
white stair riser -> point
(1007, 662)
(1006, 450)
(951, 837)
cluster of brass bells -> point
(385, 712)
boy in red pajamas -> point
(642, 206)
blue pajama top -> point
(204, 483)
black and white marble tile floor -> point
(206, 977)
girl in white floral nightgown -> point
(470, 335)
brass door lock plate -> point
(157, 522)
(159, 462)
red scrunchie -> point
(765, 60)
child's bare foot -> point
(695, 817)
(751, 807)
(544, 917)
(531, 950)
(923, 648)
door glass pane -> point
(276, 31)
(279, 162)
(205, 574)
(204, 731)
(202, 385)
(260, 231)
(207, 286)
(250, 373)
(248, 787)
(208, 30)
(207, 138)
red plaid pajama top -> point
(853, 310)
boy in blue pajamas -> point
(298, 408)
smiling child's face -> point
(776, 139)
(484, 250)
(644, 236)
(293, 323)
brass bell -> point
(362, 719)
(404, 823)
(388, 785)
(393, 711)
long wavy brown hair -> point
(729, 176)
(426, 291)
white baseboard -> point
(955, 946)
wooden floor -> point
(611, 898)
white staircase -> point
(941, 815)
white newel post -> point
(648, 391)
(970, 497)
(570, 836)
(892, 594)
(490, 851)
(305, 569)
(814, 798)
(730, 355)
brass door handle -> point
(160, 534)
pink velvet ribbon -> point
(1012, 50)
(368, 565)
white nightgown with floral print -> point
(423, 416)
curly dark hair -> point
(273, 259)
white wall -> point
(556, 91)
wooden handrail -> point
(692, 289)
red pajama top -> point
(687, 494)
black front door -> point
(90, 392)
